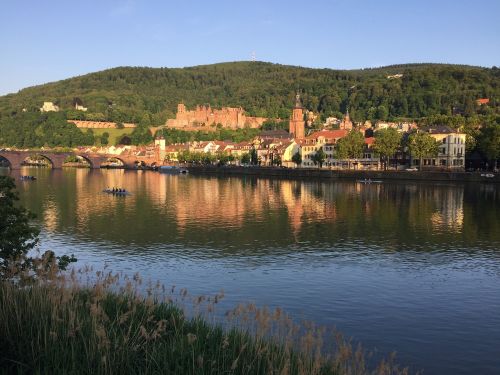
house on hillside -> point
(49, 107)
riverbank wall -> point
(315, 173)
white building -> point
(451, 148)
(49, 107)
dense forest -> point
(35, 130)
(150, 95)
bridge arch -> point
(109, 159)
(43, 155)
(16, 159)
(87, 159)
(5, 161)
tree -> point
(245, 158)
(319, 157)
(141, 136)
(351, 146)
(297, 158)
(145, 121)
(386, 144)
(18, 237)
(422, 145)
(253, 157)
(489, 143)
(104, 138)
(382, 112)
(276, 160)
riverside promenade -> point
(316, 173)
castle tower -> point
(181, 108)
(297, 123)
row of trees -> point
(219, 158)
(387, 143)
(218, 134)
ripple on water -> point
(408, 267)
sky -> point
(49, 40)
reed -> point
(106, 326)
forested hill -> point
(265, 89)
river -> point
(402, 266)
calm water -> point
(406, 267)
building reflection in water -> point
(211, 203)
(50, 216)
(449, 214)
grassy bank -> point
(114, 134)
(70, 330)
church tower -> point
(346, 123)
(297, 123)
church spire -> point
(298, 103)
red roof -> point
(369, 140)
(483, 101)
(329, 134)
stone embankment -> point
(314, 173)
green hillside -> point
(150, 95)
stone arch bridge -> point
(56, 159)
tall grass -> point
(59, 327)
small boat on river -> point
(116, 191)
(28, 178)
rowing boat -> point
(110, 191)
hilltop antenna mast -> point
(253, 56)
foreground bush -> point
(49, 329)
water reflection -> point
(262, 214)
(406, 266)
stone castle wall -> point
(99, 124)
(204, 117)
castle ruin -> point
(206, 118)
